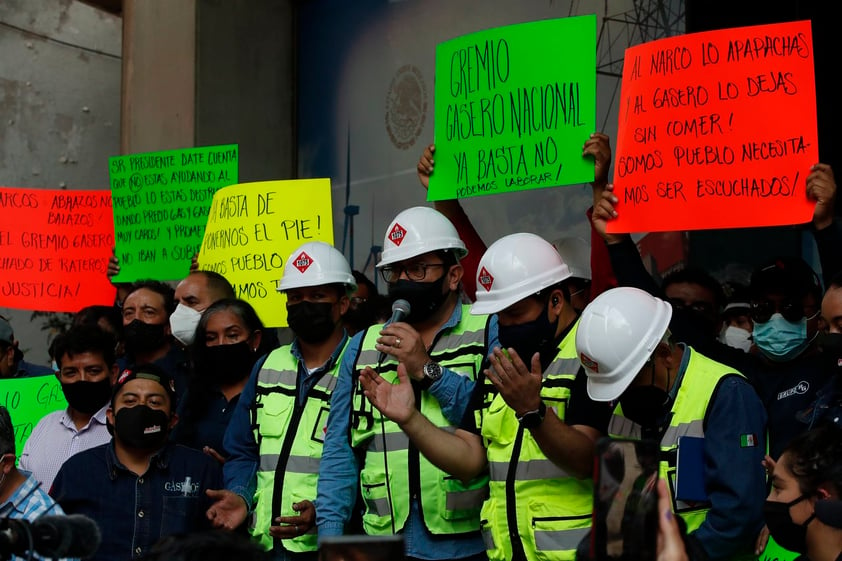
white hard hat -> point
(618, 332)
(514, 267)
(419, 230)
(576, 252)
(316, 264)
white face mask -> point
(736, 337)
(183, 322)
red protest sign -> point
(54, 249)
(717, 130)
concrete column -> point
(203, 72)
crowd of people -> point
(468, 421)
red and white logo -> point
(589, 363)
(485, 279)
(397, 234)
(302, 262)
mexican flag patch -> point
(748, 441)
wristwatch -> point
(533, 419)
(432, 372)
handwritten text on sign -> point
(717, 130)
(54, 248)
(252, 229)
(161, 202)
(514, 105)
(29, 399)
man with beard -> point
(441, 347)
(532, 424)
(147, 333)
(274, 439)
(86, 371)
(709, 422)
(138, 488)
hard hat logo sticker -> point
(589, 363)
(302, 262)
(485, 279)
(397, 234)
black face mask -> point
(142, 427)
(787, 533)
(830, 345)
(528, 338)
(424, 297)
(226, 364)
(144, 337)
(87, 397)
(645, 405)
(312, 322)
(359, 318)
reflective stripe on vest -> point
(448, 505)
(698, 384)
(551, 509)
(278, 419)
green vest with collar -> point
(531, 499)
(392, 469)
(290, 439)
(687, 418)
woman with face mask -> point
(803, 511)
(229, 341)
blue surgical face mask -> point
(780, 340)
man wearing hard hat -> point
(533, 425)
(709, 421)
(276, 433)
(440, 347)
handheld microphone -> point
(400, 310)
(51, 536)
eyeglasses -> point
(415, 271)
(762, 311)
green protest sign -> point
(513, 107)
(161, 202)
(29, 399)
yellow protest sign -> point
(252, 229)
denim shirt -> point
(133, 512)
(339, 469)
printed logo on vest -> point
(302, 262)
(485, 279)
(397, 234)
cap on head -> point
(576, 253)
(146, 372)
(515, 267)
(419, 230)
(789, 275)
(316, 264)
(618, 332)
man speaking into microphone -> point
(441, 347)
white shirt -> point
(55, 438)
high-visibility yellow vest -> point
(394, 471)
(290, 439)
(701, 378)
(532, 501)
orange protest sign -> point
(717, 130)
(54, 249)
